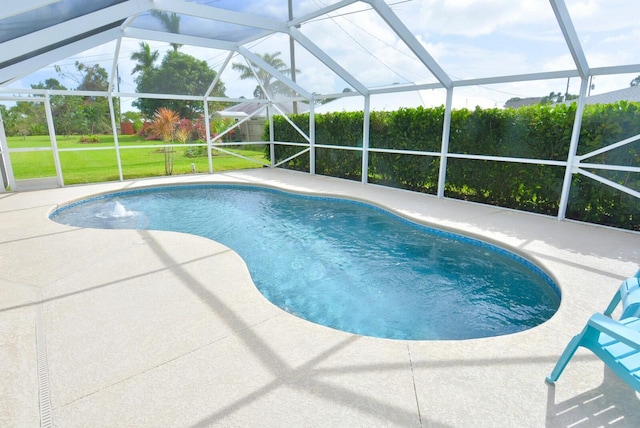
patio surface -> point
(136, 328)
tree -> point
(93, 116)
(266, 79)
(179, 74)
(636, 81)
(557, 97)
(552, 98)
(70, 116)
(27, 118)
(164, 125)
(50, 83)
(67, 111)
(145, 59)
(133, 117)
(88, 78)
(96, 115)
(9, 119)
(94, 78)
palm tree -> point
(144, 58)
(164, 125)
(270, 85)
(171, 22)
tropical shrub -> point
(89, 139)
(165, 123)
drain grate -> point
(43, 369)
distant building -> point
(631, 93)
(252, 129)
(248, 107)
(520, 102)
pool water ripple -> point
(345, 264)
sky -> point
(467, 38)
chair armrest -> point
(615, 301)
(629, 295)
(631, 298)
(616, 329)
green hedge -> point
(592, 201)
(535, 132)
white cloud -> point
(560, 62)
(471, 18)
(603, 15)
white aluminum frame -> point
(129, 9)
(5, 162)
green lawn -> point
(91, 165)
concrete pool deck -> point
(146, 328)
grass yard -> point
(97, 162)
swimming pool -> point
(345, 264)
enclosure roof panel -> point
(366, 44)
(197, 27)
(47, 15)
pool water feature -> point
(345, 264)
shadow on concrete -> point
(612, 404)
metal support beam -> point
(114, 66)
(114, 127)
(365, 138)
(570, 36)
(23, 68)
(610, 183)
(207, 133)
(615, 69)
(444, 150)
(207, 115)
(573, 148)
(410, 40)
(217, 78)
(13, 8)
(52, 138)
(312, 139)
(161, 36)
(609, 148)
(292, 56)
(272, 149)
(328, 61)
(5, 160)
(67, 30)
(321, 12)
(219, 14)
(275, 73)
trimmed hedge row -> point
(534, 132)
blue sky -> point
(468, 38)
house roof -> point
(631, 93)
(250, 107)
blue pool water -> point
(345, 264)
